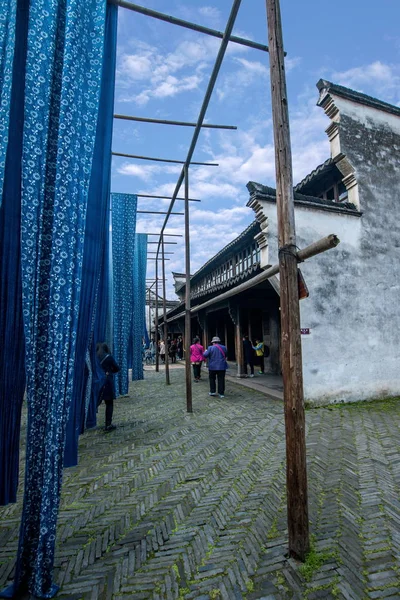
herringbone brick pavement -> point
(174, 506)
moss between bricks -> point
(314, 561)
(386, 404)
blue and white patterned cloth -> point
(63, 77)
(8, 13)
(139, 304)
(123, 219)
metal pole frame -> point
(188, 25)
(188, 333)
(168, 122)
(156, 322)
(167, 378)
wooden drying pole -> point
(167, 379)
(188, 332)
(296, 468)
(156, 323)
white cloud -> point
(377, 78)
(236, 83)
(148, 73)
(292, 63)
(147, 172)
(211, 12)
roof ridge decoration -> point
(259, 191)
(327, 163)
(325, 87)
(249, 228)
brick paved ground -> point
(172, 505)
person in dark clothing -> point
(107, 391)
(172, 351)
(179, 347)
(217, 365)
(248, 354)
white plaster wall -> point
(353, 312)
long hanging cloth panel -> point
(12, 364)
(96, 238)
(7, 49)
(62, 90)
(123, 216)
(139, 304)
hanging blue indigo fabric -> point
(96, 237)
(7, 48)
(12, 365)
(139, 304)
(62, 91)
(99, 329)
(123, 246)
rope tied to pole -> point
(290, 250)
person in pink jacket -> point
(196, 358)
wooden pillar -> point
(156, 321)
(296, 469)
(239, 344)
(188, 331)
(226, 333)
(205, 332)
(149, 315)
(167, 380)
(274, 348)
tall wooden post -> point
(156, 321)
(239, 343)
(296, 468)
(188, 333)
(167, 380)
(205, 332)
(149, 315)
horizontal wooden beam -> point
(167, 160)
(156, 212)
(167, 234)
(322, 245)
(188, 25)
(169, 122)
(165, 197)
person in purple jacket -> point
(217, 365)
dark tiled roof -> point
(317, 172)
(249, 232)
(355, 96)
(268, 193)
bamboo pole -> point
(188, 333)
(156, 323)
(149, 317)
(296, 467)
(165, 198)
(188, 25)
(166, 160)
(168, 122)
(322, 245)
(167, 380)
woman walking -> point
(196, 358)
(217, 365)
(162, 350)
(107, 390)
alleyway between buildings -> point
(171, 505)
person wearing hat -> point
(217, 365)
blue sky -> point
(163, 71)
